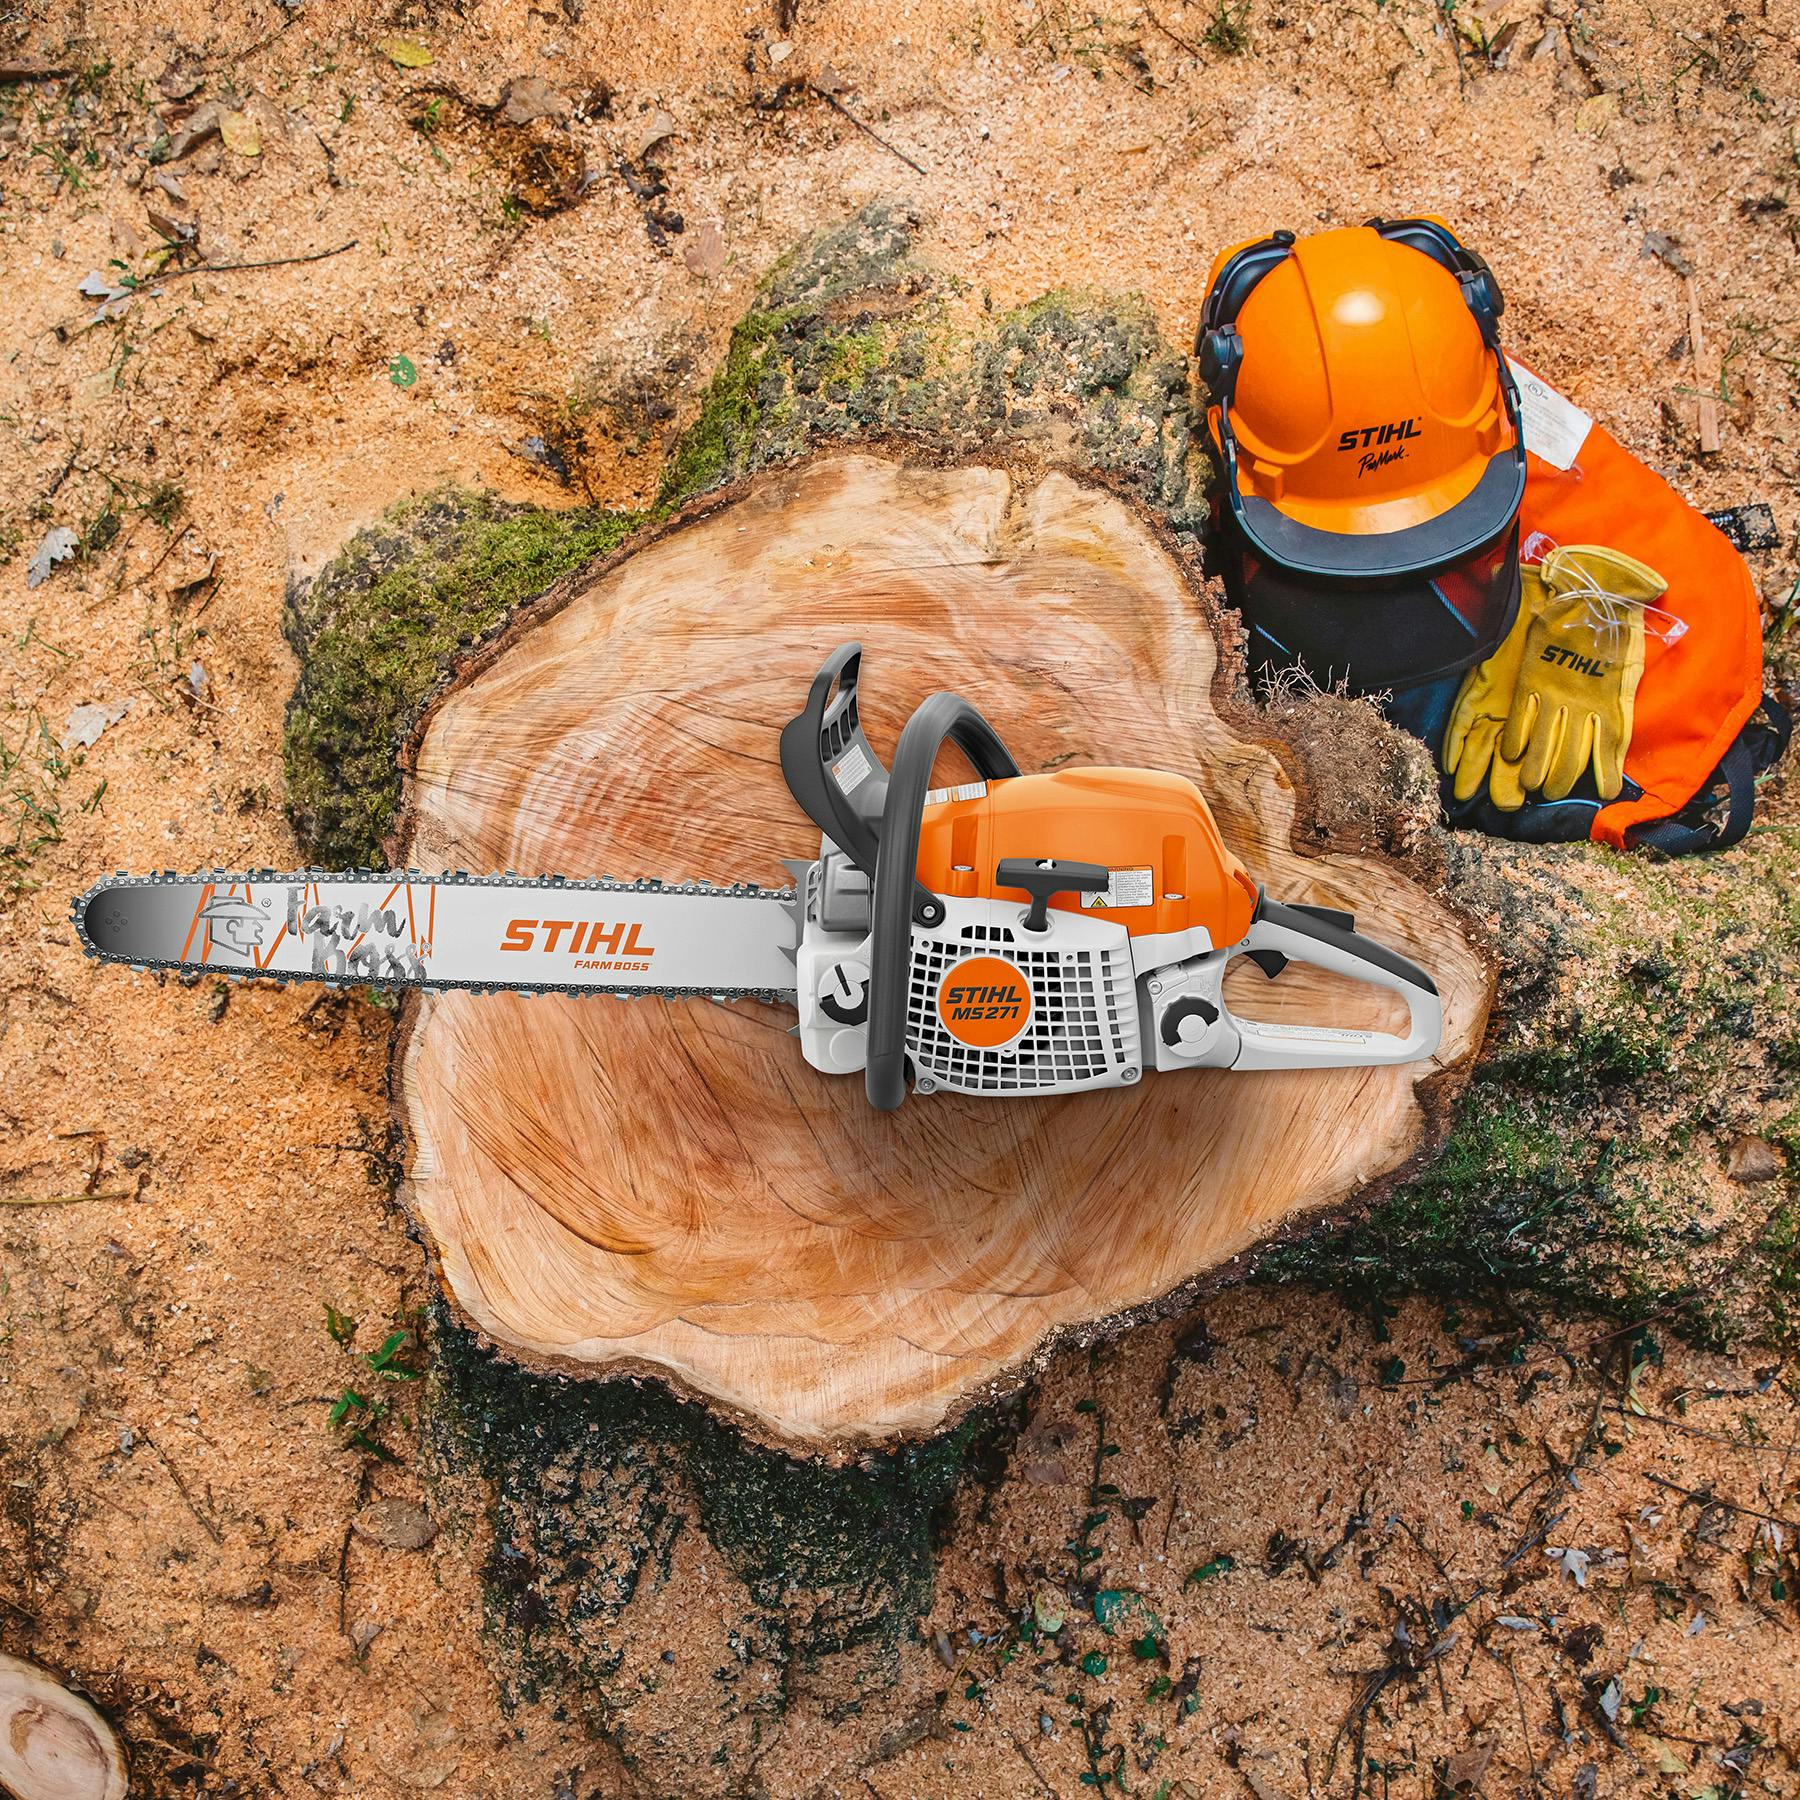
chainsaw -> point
(1019, 934)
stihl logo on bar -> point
(592, 943)
(1582, 665)
(984, 1002)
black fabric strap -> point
(1737, 773)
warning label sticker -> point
(852, 769)
(1553, 426)
(1128, 887)
(970, 790)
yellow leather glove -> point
(1578, 679)
(1471, 752)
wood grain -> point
(666, 1186)
(54, 1745)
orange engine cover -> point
(1171, 869)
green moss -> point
(730, 413)
(588, 1486)
(381, 626)
(1647, 1020)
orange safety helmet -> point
(1368, 428)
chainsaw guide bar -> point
(401, 928)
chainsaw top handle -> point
(900, 899)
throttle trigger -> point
(1331, 915)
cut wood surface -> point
(667, 1187)
(54, 1745)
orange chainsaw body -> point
(1154, 831)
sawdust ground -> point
(176, 1509)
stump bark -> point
(666, 1187)
(54, 1745)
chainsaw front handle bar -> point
(899, 897)
(1303, 936)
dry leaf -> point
(703, 250)
(395, 1524)
(28, 68)
(184, 593)
(660, 129)
(1752, 1159)
(528, 97)
(1594, 114)
(86, 723)
(1467, 1767)
(202, 124)
(175, 231)
(179, 80)
(240, 133)
(405, 52)
(58, 545)
(1572, 1562)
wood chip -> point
(1706, 373)
(54, 1745)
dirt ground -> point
(1337, 1550)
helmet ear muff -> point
(1220, 353)
(1480, 290)
(1217, 347)
(1482, 293)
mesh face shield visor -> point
(1381, 636)
(1380, 612)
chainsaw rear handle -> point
(900, 898)
(1303, 935)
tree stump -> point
(665, 1187)
(54, 1745)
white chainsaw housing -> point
(1105, 1006)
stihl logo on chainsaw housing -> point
(1591, 666)
(984, 1002)
(591, 942)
